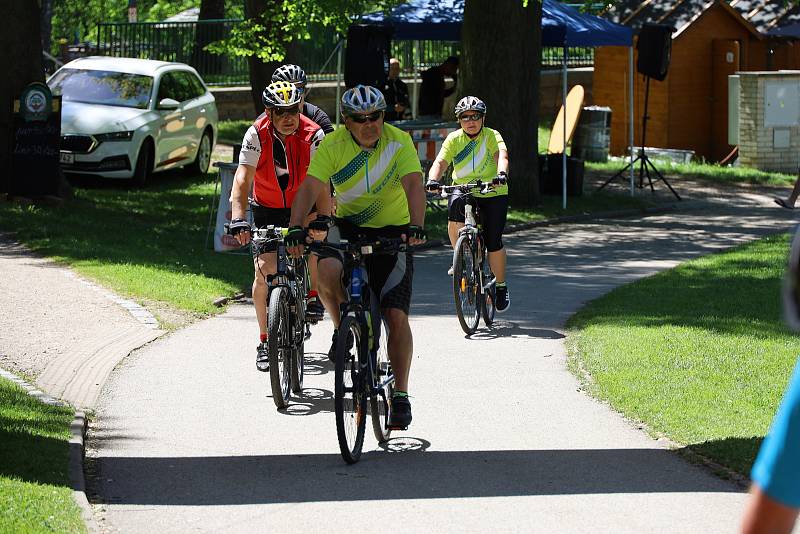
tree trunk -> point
(209, 65)
(22, 43)
(500, 64)
(260, 72)
(47, 24)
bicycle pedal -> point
(391, 427)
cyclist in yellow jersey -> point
(377, 177)
(477, 153)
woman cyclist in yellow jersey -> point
(477, 153)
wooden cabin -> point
(712, 39)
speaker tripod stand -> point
(645, 164)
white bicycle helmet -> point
(363, 99)
(470, 103)
(290, 73)
(281, 95)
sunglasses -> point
(372, 117)
(470, 118)
(281, 112)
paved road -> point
(186, 437)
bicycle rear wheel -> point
(379, 403)
(489, 292)
(466, 290)
(350, 401)
(280, 346)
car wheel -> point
(144, 164)
(203, 159)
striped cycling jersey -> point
(474, 159)
(369, 192)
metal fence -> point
(175, 41)
(184, 42)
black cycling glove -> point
(238, 225)
(500, 179)
(417, 232)
(432, 185)
(322, 223)
(296, 236)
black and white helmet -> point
(290, 73)
(281, 95)
(470, 103)
(363, 99)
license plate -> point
(67, 157)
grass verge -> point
(698, 353)
(147, 244)
(35, 495)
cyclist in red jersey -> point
(275, 154)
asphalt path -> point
(187, 439)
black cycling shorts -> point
(270, 217)
(390, 275)
(492, 212)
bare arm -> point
(323, 201)
(415, 193)
(242, 184)
(502, 161)
(309, 192)
(437, 169)
(766, 515)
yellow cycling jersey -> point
(474, 159)
(368, 189)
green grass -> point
(147, 244)
(35, 495)
(698, 353)
(231, 132)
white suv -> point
(128, 118)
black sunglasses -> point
(372, 117)
(470, 118)
(280, 112)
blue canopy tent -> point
(562, 26)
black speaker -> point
(654, 47)
(367, 55)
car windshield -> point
(102, 87)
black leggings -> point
(492, 216)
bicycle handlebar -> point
(381, 245)
(479, 186)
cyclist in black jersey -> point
(294, 74)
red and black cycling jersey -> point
(281, 164)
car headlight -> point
(114, 136)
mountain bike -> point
(287, 325)
(363, 373)
(474, 284)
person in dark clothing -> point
(433, 92)
(294, 74)
(396, 94)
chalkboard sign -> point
(35, 143)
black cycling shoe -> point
(400, 413)
(262, 357)
(334, 341)
(314, 310)
(503, 301)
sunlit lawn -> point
(698, 353)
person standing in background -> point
(396, 94)
(433, 91)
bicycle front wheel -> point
(466, 290)
(280, 346)
(350, 401)
(379, 403)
